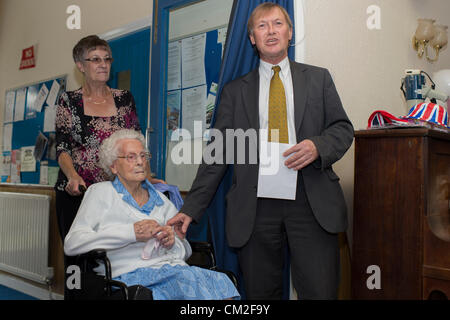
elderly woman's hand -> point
(146, 229)
(166, 236)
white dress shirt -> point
(265, 75)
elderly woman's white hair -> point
(109, 149)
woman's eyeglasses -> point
(132, 157)
(98, 60)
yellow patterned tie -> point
(277, 108)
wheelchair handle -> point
(81, 188)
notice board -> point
(194, 64)
(29, 145)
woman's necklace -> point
(95, 102)
(90, 99)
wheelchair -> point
(94, 286)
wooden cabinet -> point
(401, 220)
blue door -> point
(130, 69)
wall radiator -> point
(24, 234)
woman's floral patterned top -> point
(80, 135)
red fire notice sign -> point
(28, 59)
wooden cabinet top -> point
(403, 132)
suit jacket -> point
(319, 116)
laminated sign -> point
(28, 58)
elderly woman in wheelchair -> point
(127, 217)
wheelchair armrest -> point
(207, 250)
(96, 254)
(89, 259)
(200, 246)
(92, 257)
(122, 286)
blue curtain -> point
(239, 59)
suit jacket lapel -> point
(250, 97)
(250, 101)
(299, 88)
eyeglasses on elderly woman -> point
(132, 157)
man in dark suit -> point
(315, 123)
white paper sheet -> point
(174, 66)
(52, 175)
(5, 164)
(7, 136)
(275, 180)
(193, 61)
(53, 94)
(19, 109)
(194, 110)
(32, 95)
(9, 106)
(50, 118)
(43, 173)
(27, 160)
(40, 99)
(15, 166)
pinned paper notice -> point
(53, 95)
(50, 118)
(193, 61)
(19, 109)
(40, 99)
(27, 160)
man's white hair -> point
(109, 149)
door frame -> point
(158, 83)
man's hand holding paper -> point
(279, 163)
(303, 153)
